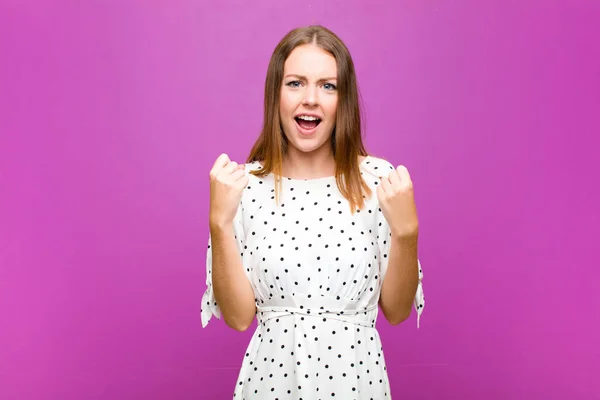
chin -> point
(307, 143)
(306, 146)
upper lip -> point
(307, 115)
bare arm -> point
(401, 280)
(232, 289)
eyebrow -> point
(305, 78)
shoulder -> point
(253, 166)
(376, 167)
(257, 185)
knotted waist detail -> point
(325, 307)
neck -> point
(317, 164)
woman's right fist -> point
(227, 182)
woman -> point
(311, 235)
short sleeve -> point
(384, 237)
(209, 306)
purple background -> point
(112, 112)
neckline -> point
(323, 178)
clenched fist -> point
(397, 203)
(227, 182)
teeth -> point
(307, 118)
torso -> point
(315, 270)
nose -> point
(311, 96)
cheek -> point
(286, 104)
(332, 111)
(332, 105)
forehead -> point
(310, 61)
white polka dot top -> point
(316, 270)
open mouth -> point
(307, 122)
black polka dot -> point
(312, 262)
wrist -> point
(219, 226)
(406, 240)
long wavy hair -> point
(346, 139)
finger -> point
(380, 192)
(221, 161)
(219, 164)
(238, 174)
(384, 183)
(231, 167)
(403, 172)
(394, 178)
(243, 181)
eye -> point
(293, 84)
(329, 86)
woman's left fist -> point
(397, 202)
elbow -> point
(238, 316)
(398, 317)
(239, 324)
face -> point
(309, 98)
